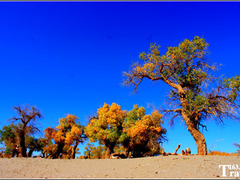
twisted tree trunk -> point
(197, 135)
(192, 128)
(73, 154)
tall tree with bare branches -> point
(187, 71)
(27, 116)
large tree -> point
(187, 72)
(27, 116)
(142, 133)
(10, 136)
(63, 140)
(106, 127)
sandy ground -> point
(148, 167)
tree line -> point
(129, 134)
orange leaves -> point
(76, 131)
(50, 133)
(219, 153)
(173, 56)
(71, 119)
(147, 124)
(68, 133)
(59, 136)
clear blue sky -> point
(68, 58)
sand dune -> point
(148, 167)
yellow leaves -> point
(109, 117)
(113, 125)
(73, 134)
(67, 121)
(138, 69)
(156, 117)
(76, 131)
(147, 68)
(69, 138)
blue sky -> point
(68, 58)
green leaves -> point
(233, 87)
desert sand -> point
(175, 166)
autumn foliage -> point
(63, 140)
(142, 133)
(107, 126)
(136, 132)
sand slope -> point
(148, 167)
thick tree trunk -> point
(109, 150)
(199, 139)
(59, 151)
(197, 135)
(192, 128)
(23, 149)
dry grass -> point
(219, 153)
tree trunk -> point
(126, 152)
(192, 128)
(74, 150)
(109, 151)
(59, 151)
(197, 135)
(30, 153)
(43, 154)
(22, 148)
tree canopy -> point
(107, 126)
(136, 132)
